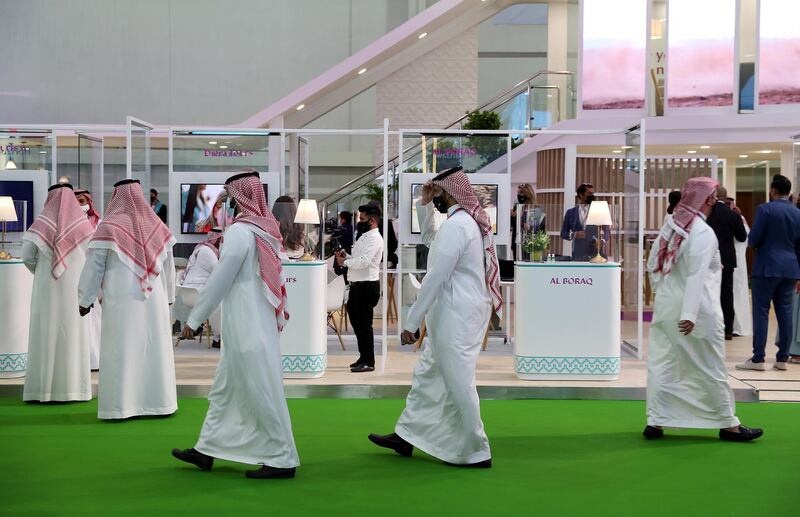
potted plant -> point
(536, 244)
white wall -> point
(192, 62)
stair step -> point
(779, 396)
(775, 385)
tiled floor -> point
(195, 365)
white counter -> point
(304, 340)
(16, 286)
(567, 321)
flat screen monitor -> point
(19, 191)
(487, 195)
(197, 203)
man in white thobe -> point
(687, 382)
(54, 250)
(248, 420)
(742, 313)
(131, 256)
(198, 270)
(95, 317)
(458, 294)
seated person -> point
(293, 235)
(201, 263)
(584, 240)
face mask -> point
(589, 198)
(85, 209)
(521, 200)
(440, 204)
(362, 227)
(230, 207)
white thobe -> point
(743, 315)
(442, 414)
(687, 382)
(198, 270)
(58, 341)
(248, 420)
(137, 367)
(95, 321)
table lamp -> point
(7, 213)
(307, 213)
(599, 215)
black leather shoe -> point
(485, 464)
(651, 432)
(267, 472)
(357, 363)
(745, 434)
(215, 344)
(360, 368)
(394, 442)
(728, 337)
(200, 460)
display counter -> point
(16, 286)
(567, 321)
(304, 340)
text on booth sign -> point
(567, 280)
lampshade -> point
(307, 212)
(11, 164)
(7, 211)
(599, 214)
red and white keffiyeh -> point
(213, 241)
(133, 230)
(456, 183)
(677, 228)
(92, 214)
(60, 228)
(248, 192)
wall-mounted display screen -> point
(198, 203)
(487, 195)
(779, 52)
(614, 59)
(700, 57)
(19, 191)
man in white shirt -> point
(201, 263)
(363, 270)
(460, 290)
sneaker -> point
(750, 365)
(780, 365)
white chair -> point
(417, 285)
(334, 301)
(187, 297)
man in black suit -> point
(728, 225)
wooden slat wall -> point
(550, 169)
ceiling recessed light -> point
(616, 151)
(301, 106)
(705, 147)
(362, 71)
(691, 151)
(212, 142)
(766, 151)
(42, 152)
(742, 156)
(223, 147)
(422, 35)
(626, 147)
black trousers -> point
(363, 299)
(726, 298)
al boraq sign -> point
(571, 280)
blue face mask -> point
(230, 207)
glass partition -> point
(90, 168)
(138, 155)
(631, 245)
(209, 151)
(431, 154)
(19, 151)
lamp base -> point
(4, 255)
(307, 257)
(599, 259)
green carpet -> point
(550, 458)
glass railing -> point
(537, 102)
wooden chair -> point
(334, 303)
(188, 297)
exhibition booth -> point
(547, 287)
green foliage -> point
(482, 120)
(538, 241)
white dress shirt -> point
(364, 265)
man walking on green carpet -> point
(460, 291)
(687, 382)
(247, 420)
